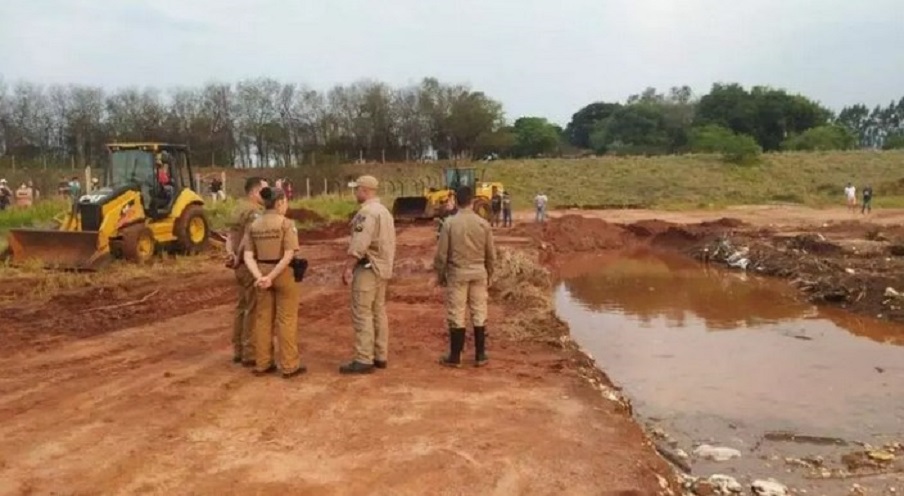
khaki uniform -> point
(373, 241)
(464, 262)
(276, 309)
(242, 338)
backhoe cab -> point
(147, 201)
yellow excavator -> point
(148, 202)
(430, 205)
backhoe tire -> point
(192, 230)
(482, 208)
(138, 244)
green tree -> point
(734, 148)
(894, 142)
(471, 115)
(632, 129)
(830, 137)
(584, 121)
(536, 136)
(501, 142)
(767, 114)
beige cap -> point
(369, 182)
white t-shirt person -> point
(850, 193)
(540, 202)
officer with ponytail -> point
(270, 245)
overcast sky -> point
(539, 57)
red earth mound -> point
(303, 215)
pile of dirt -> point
(573, 233)
(523, 284)
(304, 215)
(332, 230)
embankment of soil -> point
(853, 265)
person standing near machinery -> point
(247, 210)
(269, 246)
(449, 209)
(371, 254)
(464, 261)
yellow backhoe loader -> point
(430, 204)
(148, 202)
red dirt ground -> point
(120, 389)
(142, 398)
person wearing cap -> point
(465, 255)
(371, 254)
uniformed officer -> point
(449, 209)
(270, 245)
(248, 209)
(464, 262)
(371, 253)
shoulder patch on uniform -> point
(359, 227)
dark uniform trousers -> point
(277, 310)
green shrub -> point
(734, 148)
(822, 138)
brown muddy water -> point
(709, 356)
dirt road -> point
(129, 389)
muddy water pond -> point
(709, 356)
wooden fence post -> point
(307, 185)
(326, 186)
(88, 185)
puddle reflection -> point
(659, 325)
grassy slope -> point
(689, 181)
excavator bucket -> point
(74, 250)
(410, 207)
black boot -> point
(480, 346)
(456, 343)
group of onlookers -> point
(850, 194)
(25, 196)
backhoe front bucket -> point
(410, 207)
(54, 249)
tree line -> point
(733, 120)
(259, 122)
(264, 122)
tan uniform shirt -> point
(270, 236)
(373, 236)
(244, 214)
(466, 249)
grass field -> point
(688, 181)
(669, 182)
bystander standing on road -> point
(867, 200)
(506, 209)
(540, 203)
(850, 195)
